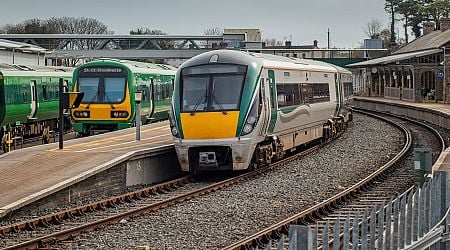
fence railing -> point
(417, 219)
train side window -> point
(171, 86)
(24, 91)
(44, 92)
(66, 86)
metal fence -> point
(414, 220)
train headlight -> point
(119, 114)
(247, 129)
(173, 124)
(252, 119)
(174, 131)
(82, 114)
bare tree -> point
(373, 28)
(162, 43)
(214, 31)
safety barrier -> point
(414, 220)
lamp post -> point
(137, 99)
(444, 98)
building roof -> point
(7, 44)
(432, 40)
(394, 58)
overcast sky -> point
(302, 20)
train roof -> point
(34, 70)
(265, 60)
(142, 67)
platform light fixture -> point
(137, 100)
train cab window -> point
(114, 89)
(215, 87)
(90, 87)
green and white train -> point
(29, 98)
(234, 110)
(109, 87)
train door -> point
(264, 104)
(2, 100)
(273, 100)
(34, 100)
(151, 96)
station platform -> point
(442, 110)
(29, 174)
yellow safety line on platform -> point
(115, 138)
(133, 146)
(107, 146)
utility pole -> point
(328, 36)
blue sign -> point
(440, 74)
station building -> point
(418, 71)
(12, 52)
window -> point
(289, 95)
(90, 87)
(215, 87)
(114, 89)
(44, 92)
(318, 92)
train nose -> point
(209, 125)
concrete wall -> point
(6, 56)
(438, 118)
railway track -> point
(63, 226)
(392, 179)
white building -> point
(12, 52)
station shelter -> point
(418, 71)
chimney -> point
(444, 23)
(428, 27)
(288, 43)
(315, 43)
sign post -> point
(67, 100)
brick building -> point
(419, 71)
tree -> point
(390, 6)
(435, 10)
(373, 28)
(162, 43)
(57, 25)
(407, 9)
(385, 36)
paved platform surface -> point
(443, 163)
(28, 174)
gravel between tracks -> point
(219, 219)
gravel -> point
(221, 218)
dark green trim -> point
(250, 86)
(273, 96)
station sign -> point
(102, 70)
(440, 74)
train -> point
(109, 87)
(235, 110)
(29, 100)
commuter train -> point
(109, 87)
(235, 110)
(29, 99)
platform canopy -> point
(394, 58)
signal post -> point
(67, 100)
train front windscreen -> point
(212, 88)
(102, 84)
